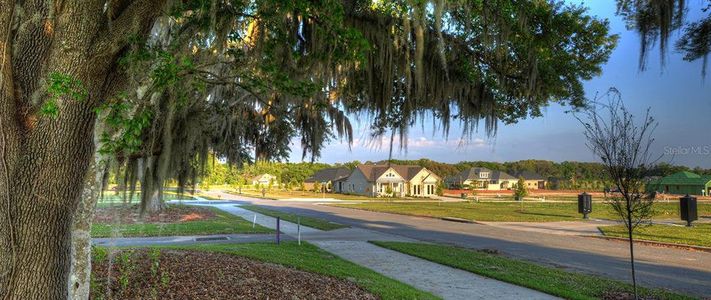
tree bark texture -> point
(44, 160)
(80, 266)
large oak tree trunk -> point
(43, 159)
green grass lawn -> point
(223, 223)
(511, 212)
(310, 258)
(557, 282)
(306, 221)
(698, 235)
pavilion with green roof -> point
(682, 183)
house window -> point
(484, 174)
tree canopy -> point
(240, 79)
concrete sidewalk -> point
(352, 244)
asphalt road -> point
(681, 270)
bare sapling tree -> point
(520, 191)
(623, 144)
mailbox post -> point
(585, 204)
(687, 209)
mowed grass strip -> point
(697, 235)
(294, 218)
(310, 258)
(568, 285)
(222, 223)
(511, 211)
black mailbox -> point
(687, 208)
(585, 204)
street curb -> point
(654, 243)
(458, 220)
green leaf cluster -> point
(61, 85)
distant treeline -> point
(563, 175)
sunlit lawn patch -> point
(698, 235)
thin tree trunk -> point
(157, 166)
(631, 240)
(80, 268)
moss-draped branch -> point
(243, 78)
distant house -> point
(331, 179)
(681, 183)
(264, 179)
(391, 180)
(482, 179)
(533, 180)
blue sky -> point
(679, 99)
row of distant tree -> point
(563, 175)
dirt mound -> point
(175, 274)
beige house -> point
(264, 179)
(482, 179)
(533, 181)
(391, 180)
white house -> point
(482, 179)
(391, 180)
(264, 179)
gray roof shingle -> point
(329, 174)
(373, 172)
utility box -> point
(688, 209)
(585, 204)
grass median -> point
(698, 235)
(294, 218)
(557, 282)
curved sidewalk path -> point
(352, 244)
(676, 269)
